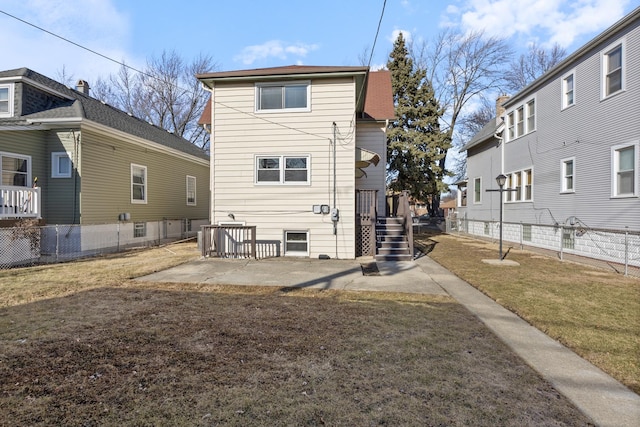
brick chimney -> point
(500, 109)
(83, 87)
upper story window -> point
(6, 100)
(15, 170)
(511, 126)
(568, 90)
(521, 120)
(282, 170)
(293, 96)
(531, 115)
(625, 170)
(613, 69)
(138, 183)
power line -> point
(178, 87)
(76, 44)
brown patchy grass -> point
(594, 312)
(81, 344)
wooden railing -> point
(20, 202)
(229, 241)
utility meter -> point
(335, 214)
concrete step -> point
(394, 257)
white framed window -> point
(624, 161)
(6, 100)
(296, 243)
(60, 165)
(509, 184)
(521, 120)
(140, 229)
(531, 115)
(511, 126)
(290, 170)
(15, 170)
(527, 179)
(191, 190)
(477, 190)
(521, 185)
(568, 89)
(138, 183)
(613, 69)
(567, 175)
(290, 96)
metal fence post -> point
(561, 243)
(626, 251)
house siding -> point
(586, 131)
(60, 198)
(372, 136)
(105, 172)
(239, 134)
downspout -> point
(334, 211)
(209, 129)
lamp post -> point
(501, 180)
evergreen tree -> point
(416, 145)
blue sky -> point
(266, 33)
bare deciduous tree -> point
(462, 67)
(166, 94)
(531, 65)
(469, 125)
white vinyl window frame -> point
(568, 175)
(530, 111)
(289, 100)
(521, 119)
(477, 190)
(15, 174)
(624, 171)
(191, 191)
(569, 89)
(6, 99)
(139, 184)
(281, 169)
(613, 69)
(296, 242)
(521, 183)
(61, 165)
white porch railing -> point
(20, 202)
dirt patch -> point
(146, 355)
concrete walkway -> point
(596, 394)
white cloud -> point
(395, 33)
(94, 24)
(274, 49)
(546, 21)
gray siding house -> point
(569, 146)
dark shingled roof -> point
(485, 133)
(83, 106)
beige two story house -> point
(299, 152)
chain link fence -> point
(27, 244)
(617, 250)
